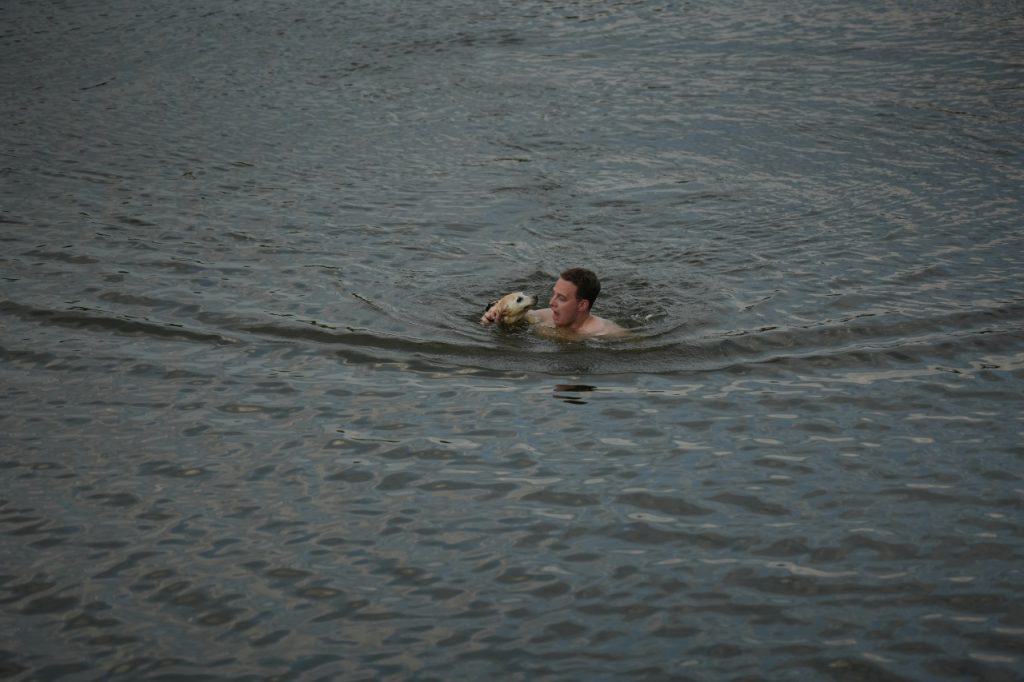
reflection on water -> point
(570, 393)
(253, 428)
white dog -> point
(510, 309)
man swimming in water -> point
(571, 300)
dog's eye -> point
(519, 299)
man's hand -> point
(490, 316)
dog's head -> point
(512, 308)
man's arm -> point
(542, 316)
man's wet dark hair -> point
(587, 284)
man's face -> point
(565, 307)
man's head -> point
(587, 284)
(573, 296)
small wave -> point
(878, 341)
(868, 341)
(85, 318)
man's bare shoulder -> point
(595, 326)
(605, 328)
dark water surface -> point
(251, 429)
